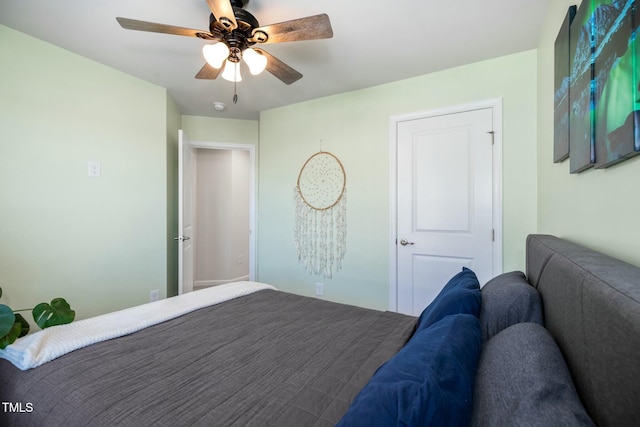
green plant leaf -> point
(25, 325)
(57, 313)
(7, 319)
(13, 334)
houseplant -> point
(13, 325)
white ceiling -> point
(374, 42)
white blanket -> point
(43, 346)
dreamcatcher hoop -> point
(321, 226)
(322, 181)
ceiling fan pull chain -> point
(235, 92)
(235, 83)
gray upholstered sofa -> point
(583, 366)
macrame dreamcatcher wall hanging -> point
(321, 214)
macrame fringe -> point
(321, 235)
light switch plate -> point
(94, 168)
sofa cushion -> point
(508, 299)
(429, 382)
(461, 294)
(522, 380)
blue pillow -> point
(429, 382)
(461, 294)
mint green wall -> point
(355, 127)
(98, 242)
(597, 208)
(211, 129)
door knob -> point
(405, 242)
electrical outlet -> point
(154, 295)
(319, 289)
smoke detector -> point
(219, 106)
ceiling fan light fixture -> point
(256, 61)
(232, 29)
(215, 54)
(232, 71)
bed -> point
(267, 358)
(247, 354)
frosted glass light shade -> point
(231, 71)
(256, 61)
(215, 54)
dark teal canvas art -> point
(616, 81)
(581, 89)
(561, 87)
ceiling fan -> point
(234, 31)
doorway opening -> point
(223, 215)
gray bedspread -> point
(266, 359)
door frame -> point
(252, 192)
(184, 145)
(496, 106)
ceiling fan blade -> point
(134, 24)
(279, 69)
(223, 12)
(207, 72)
(309, 28)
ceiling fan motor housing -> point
(239, 3)
(239, 37)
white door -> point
(444, 203)
(186, 208)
